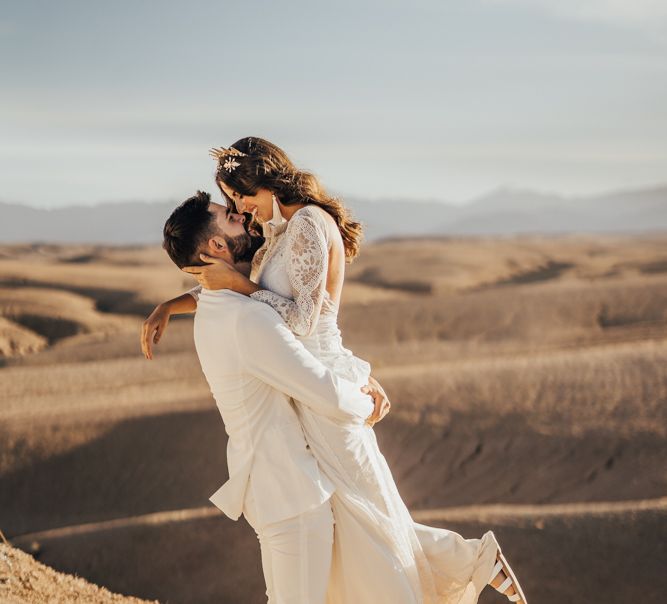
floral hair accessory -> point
(226, 157)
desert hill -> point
(23, 580)
(529, 382)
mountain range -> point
(503, 211)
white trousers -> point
(296, 554)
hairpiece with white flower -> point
(226, 157)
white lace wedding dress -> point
(380, 553)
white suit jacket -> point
(254, 364)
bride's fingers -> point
(146, 343)
(211, 259)
(150, 341)
(144, 339)
(193, 270)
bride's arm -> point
(306, 264)
(307, 261)
(153, 327)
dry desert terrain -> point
(529, 384)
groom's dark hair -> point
(188, 227)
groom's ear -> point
(217, 246)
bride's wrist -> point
(166, 307)
(245, 286)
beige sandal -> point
(502, 565)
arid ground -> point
(528, 377)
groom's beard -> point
(243, 247)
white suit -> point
(254, 364)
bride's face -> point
(259, 205)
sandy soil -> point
(23, 580)
(529, 382)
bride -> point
(380, 553)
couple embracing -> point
(305, 468)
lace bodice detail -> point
(299, 250)
(293, 277)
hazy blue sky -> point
(104, 101)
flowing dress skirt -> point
(380, 553)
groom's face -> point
(240, 244)
(229, 223)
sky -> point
(120, 101)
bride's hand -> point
(153, 328)
(217, 274)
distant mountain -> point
(116, 223)
(520, 211)
(503, 211)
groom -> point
(254, 365)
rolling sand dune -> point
(529, 382)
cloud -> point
(626, 12)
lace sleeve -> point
(194, 292)
(307, 259)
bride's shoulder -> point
(314, 213)
(315, 223)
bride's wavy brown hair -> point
(267, 166)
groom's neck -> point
(243, 268)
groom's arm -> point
(271, 352)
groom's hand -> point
(380, 399)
